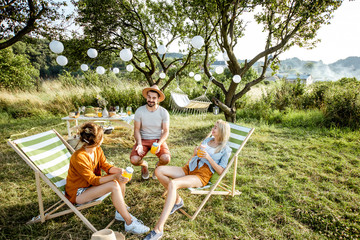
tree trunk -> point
(230, 117)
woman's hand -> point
(120, 178)
(204, 154)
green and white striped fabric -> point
(237, 136)
(49, 154)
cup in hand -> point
(154, 147)
(200, 151)
(128, 173)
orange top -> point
(83, 172)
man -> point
(151, 125)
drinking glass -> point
(129, 110)
(117, 109)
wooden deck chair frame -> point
(227, 190)
(51, 212)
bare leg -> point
(164, 159)
(173, 185)
(117, 197)
(138, 161)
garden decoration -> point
(238, 138)
(142, 64)
(197, 77)
(197, 42)
(219, 70)
(162, 75)
(236, 78)
(191, 74)
(180, 102)
(61, 60)
(100, 70)
(56, 46)
(126, 55)
(161, 49)
(84, 67)
(129, 68)
(116, 70)
(92, 53)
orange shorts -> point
(147, 143)
(204, 173)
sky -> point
(339, 40)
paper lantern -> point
(161, 49)
(92, 53)
(197, 77)
(100, 70)
(116, 70)
(56, 46)
(197, 42)
(219, 70)
(236, 78)
(191, 74)
(84, 67)
(61, 60)
(142, 64)
(126, 54)
(225, 56)
(129, 68)
(162, 75)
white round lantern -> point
(61, 60)
(162, 75)
(100, 70)
(236, 78)
(161, 49)
(56, 46)
(219, 70)
(197, 42)
(191, 74)
(197, 77)
(91, 52)
(142, 64)
(225, 56)
(129, 68)
(84, 67)
(126, 54)
(116, 70)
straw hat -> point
(156, 89)
(107, 234)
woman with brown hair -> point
(84, 182)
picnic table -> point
(123, 120)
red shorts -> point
(204, 173)
(147, 143)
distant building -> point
(292, 78)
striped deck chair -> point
(48, 155)
(238, 138)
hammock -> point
(180, 102)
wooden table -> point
(123, 120)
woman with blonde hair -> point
(212, 156)
(85, 183)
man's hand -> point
(158, 149)
(139, 149)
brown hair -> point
(91, 134)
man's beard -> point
(150, 104)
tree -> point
(140, 26)
(286, 23)
(21, 17)
(16, 72)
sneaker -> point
(153, 235)
(119, 217)
(145, 172)
(136, 227)
(177, 206)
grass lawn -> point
(296, 183)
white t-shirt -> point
(151, 122)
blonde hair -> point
(91, 134)
(224, 129)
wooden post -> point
(234, 177)
(38, 188)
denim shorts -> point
(81, 190)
